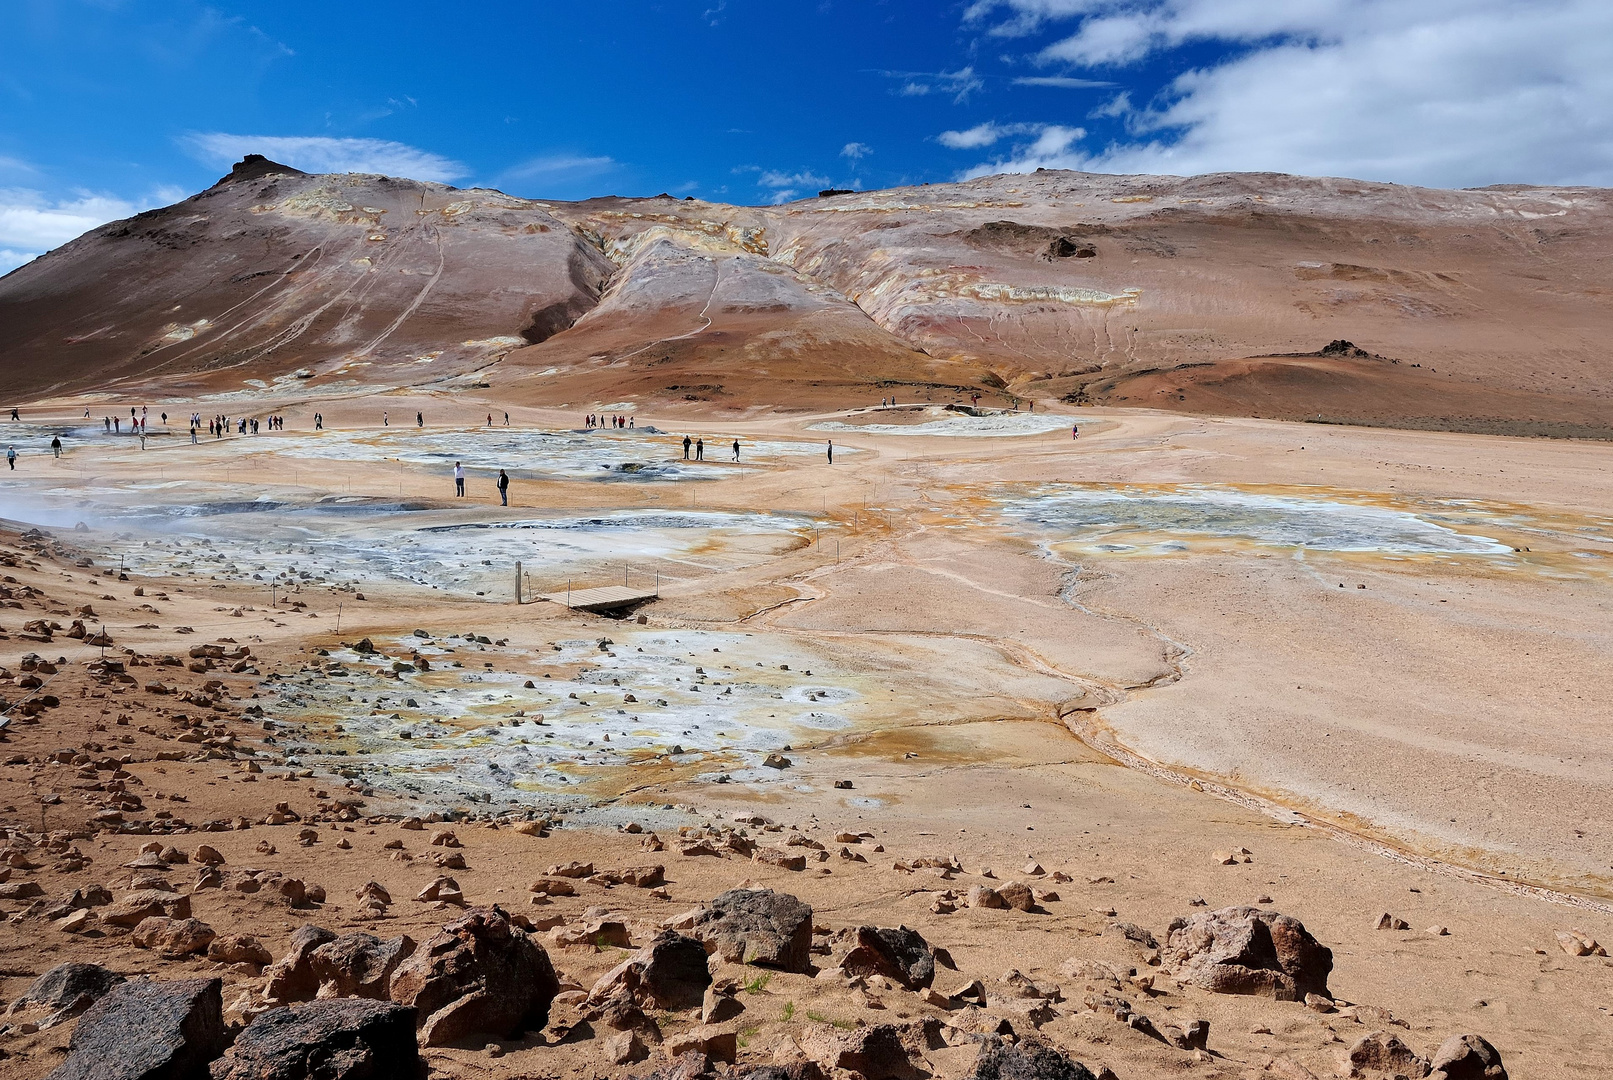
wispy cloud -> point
(566, 166)
(959, 84)
(856, 151)
(783, 196)
(1063, 82)
(984, 135)
(775, 179)
(325, 154)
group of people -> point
(699, 447)
(593, 420)
(503, 483)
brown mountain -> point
(1471, 310)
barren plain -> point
(1082, 694)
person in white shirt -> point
(459, 478)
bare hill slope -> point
(1475, 310)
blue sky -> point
(111, 106)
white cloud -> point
(984, 135)
(856, 151)
(1437, 92)
(783, 196)
(774, 179)
(32, 223)
(1051, 149)
(324, 154)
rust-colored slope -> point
(351, 279)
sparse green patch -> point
(758, 984)
(789, 1011)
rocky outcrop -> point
(327, 1040)
(173, 939)
(671, 972)
(899, 954)
(878, 1052)
(1245, 950)
(148, 1031)
(758, 926)
(1381, 1056)
(480, 975)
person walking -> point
(503, 487)
(14, 415)
(459, 478)
(736, 449)
(56, 445)
(193, 427)
(700, 449)
(506, 419)
(419, 420)
(11, 454)
(687, 442)
(1075, 431)
(831, 451)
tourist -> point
(736, 449)
(11, 452)
(459, 478)
(503, 487)
(1075, 431)
(419, 420)
(56, 445)
(14, 415)
(831, 451)
(700, 449)
(385, 422)
(687, 442)
(506, 419)
(319, 421)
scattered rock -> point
(899, 954)
(148, 1031)
(173, 938)
(711, 1042)
(671, 972)
(67, 990)
(1579, 943)
(624, 1048)
(879, 1052)
(981, 896)
(758, 926)
(359, 965)
(1387, 921)
(238, 949)
(718, 1007)
(479, 974)
(292, 978)
(1383, 1055)
(136, 907)
(1245, 950)
(328, 1040)
(1466, 1057)
(1029, 1059)
(1017, 895)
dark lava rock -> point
(292, 978)
(1466, 1057)
(148, 1031)
(758, 926)
(353, 1039)
(480, 975)
(71, 988)
(1031, 1059)
(899, 954)
(359, 965)
(671, 972)
(1245, 950)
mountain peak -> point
(253, 166)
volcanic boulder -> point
(1245, 950)
(359, 965)
(671, 972)
(148, 1031)
(292, 977)
(67, 989)
(900, 954)
(480, 974)
(328, 1040)
(758, 926)
(1466, 1057)
(1031, 1059)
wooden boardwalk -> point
(608, 598)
